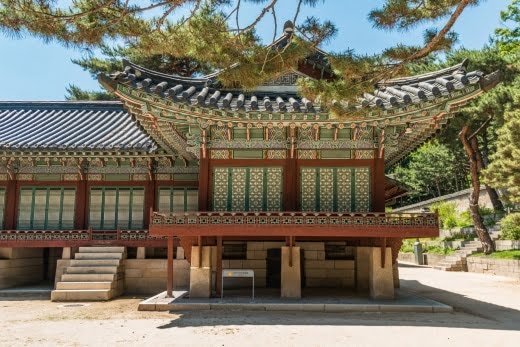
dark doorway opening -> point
(274, 268)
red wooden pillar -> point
(82, 204)
(11, 204)
(204, 178)
(378, 187)
(169, 279)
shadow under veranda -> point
(468, 313)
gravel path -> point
(487, 313)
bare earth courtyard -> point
(487, 313)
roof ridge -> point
(63, 104)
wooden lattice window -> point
(46, 208)
(178, 199)
(247, 188)
(335, 189)
(116, 207)
(2, 207)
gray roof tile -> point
(59, 126)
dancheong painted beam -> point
(296, 224)
(77, 238)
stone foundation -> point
(24, 266)
(148, 276)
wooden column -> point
(150, 199)
(169, 280)
(82, 204)
(204, 178)
(218, 280)
(378, 186)
(11, 206)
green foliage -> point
(510, 227)
(439, 250)
(447, 214)
(461, 235)
(508, 36)
(465, 219)
(77, 94)
(213, 32)
(429, 171)
(512, 255)
(407, 246)
(504, 170)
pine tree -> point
(211, 33)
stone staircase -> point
(457, 261)
(95, 274)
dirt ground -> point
(487, 313)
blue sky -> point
(33, 70)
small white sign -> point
(238, 273)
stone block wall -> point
(256, 260)
(507, 245)
(20, 266)
(320, 272)
(500, 267)
(148, 276)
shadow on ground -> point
(469, 313)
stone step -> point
(101, 249)
(95, 262)
(88, 277)
(92, 270)
(98, 255)
(82, 295)
(83, 285)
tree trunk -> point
(484, 155)
(471, 149)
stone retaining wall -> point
(148, 276)
(507, 245)
(429, 259)
(501, 267)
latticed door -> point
(335, 189)
(46, 208)
(116, 207)
(178, 199)
(247, 188)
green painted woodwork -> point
(186, 177)
(335, 189)
(117, 177)
(2, 207)
(116, 207)
(46, 208)
(47, 177)
(248, 154)
(178, 199)
(335, 154)
(247, 188)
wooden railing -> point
(411, 220)
(88, 236)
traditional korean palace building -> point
(184, 178)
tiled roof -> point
(206, 92)
(70, 126)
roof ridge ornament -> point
(288, 27)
